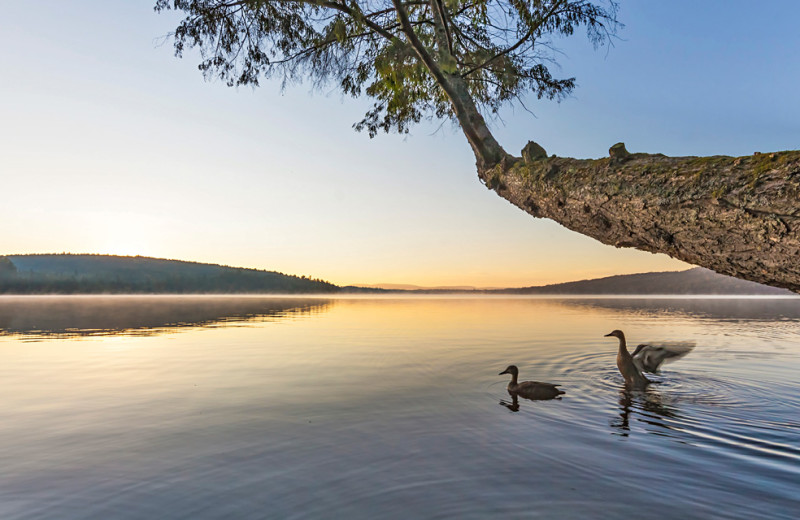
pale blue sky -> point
(109, 144)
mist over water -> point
(263, 407)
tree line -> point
(145, 280)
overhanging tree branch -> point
(739, 216)
(445, 58)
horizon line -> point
(391, 286)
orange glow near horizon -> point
(433, 272)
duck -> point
(533, 390)
(645, 358)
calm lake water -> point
(261, 407)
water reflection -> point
(530, 396)
(279, 420)
(648, 406)
(514, 404)
(722, 309)
(32, 317)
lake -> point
(206, 407)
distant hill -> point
(98, 274)
(693, 281)
(107, 274)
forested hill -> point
(106, 274)
(92, 274)
(692, 281)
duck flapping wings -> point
(650, 356)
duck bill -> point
(608, 335)
(503, 372)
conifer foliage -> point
(456, 59)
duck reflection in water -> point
(649, 408)
(532, 390)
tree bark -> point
(488, 152)
(736, 216)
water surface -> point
(263, 407)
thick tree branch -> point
(414, 41)
(737, 216)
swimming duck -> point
(645, 358)
(533, 390)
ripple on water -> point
(728, 415)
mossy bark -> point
(739, 216)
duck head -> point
(512, 369)
(616, 334)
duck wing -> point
(649, 357)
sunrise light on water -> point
(164, 404)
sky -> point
(109, 144)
